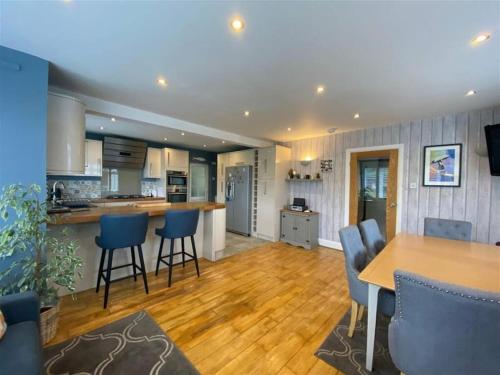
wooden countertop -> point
(153, 209)
(108, 200)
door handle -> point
(392, 205)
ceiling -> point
(154, 133)
(388, 61)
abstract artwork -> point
(442, 165)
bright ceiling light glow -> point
(320, 90)
(356, 115)
(204, 145)
(165, 139)
(237, 24)
(101, 127)
(182, 133)
(471, 93)
(223, 141)
(246, 113)
(162, 81)
(289, 129)
(481, 38)
(113, 119)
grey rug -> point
(132, 345)
(349, 354)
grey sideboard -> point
(300, 228)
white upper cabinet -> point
(65, 135)
(245, 157)
(152, 168)
(93, 158)
(176, 160)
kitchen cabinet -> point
(244, 157)
(222, 163)
(300, 228)
(93, 158)
(65, 135)
(272, 191)
(152, 167)
(176, 160)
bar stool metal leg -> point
(171, 262)
(101, 265)
(108, 277)
(159, 256)
(195, 256)
(132, 252)
(143, 269)
(183, 253)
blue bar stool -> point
(178, 224)
(117, 232)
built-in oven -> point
(176, 197)
(177, 178)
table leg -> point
(372, 324)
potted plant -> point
(38, 261)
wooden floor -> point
(264, 311)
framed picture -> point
(442, 165)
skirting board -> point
(331, 244)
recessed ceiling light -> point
(165, 139)
(223, 141)
(101, 127)
(481, 38)
(237, 24)
(356, 115)
(182, 133)
(320, 90)
(204, 145)
(289, 129)
(246, 113)
(113, 119)
(471, 92)
(162, 81)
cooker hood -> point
(123, 153)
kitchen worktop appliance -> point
(177, 186)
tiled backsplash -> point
(152, 187)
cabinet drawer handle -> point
(307, 240)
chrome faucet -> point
(57, 185)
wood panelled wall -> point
(477, 199)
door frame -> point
(347, 181)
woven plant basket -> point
(49, 320)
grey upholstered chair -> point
(372, 237)
(356, 258)
(443, 329)
(450, 229)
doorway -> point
(198, 182)
(373, 189)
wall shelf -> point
(303, 179)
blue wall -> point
(23, 120)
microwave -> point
(177, 178)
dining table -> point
(467, 264)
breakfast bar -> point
(83, 226)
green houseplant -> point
(38, 261)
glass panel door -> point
(198, 179)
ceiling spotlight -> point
(182, 133)
(471, 93)
(204, 145)
(481, 38)
(356, 115)
(289, 129)
(101, 127)
(320, 90)
(223, 141)
(246, 113)
(113, 119)
(165, 139)
(162, 82)
(237, 24)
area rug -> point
(349, 354)
(132, 345)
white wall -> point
(477, 200)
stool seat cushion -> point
(179, 224)
(119, 231)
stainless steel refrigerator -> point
(239, 199)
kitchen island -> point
(83, 226)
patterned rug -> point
(349, 354)
(132, 345)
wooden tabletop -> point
(469, 264)
(153, 209)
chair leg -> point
(132, 252)
(159, 256)
(101, 265)
(360, 312)
(183, 253)
(171, 262)
(108, 277)
(354, 314)
(143, 269)
(195, 256)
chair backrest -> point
(356, 258)
(444, 329)
(118, 231)
(450, 229)
(372, 237)
(180, 223)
